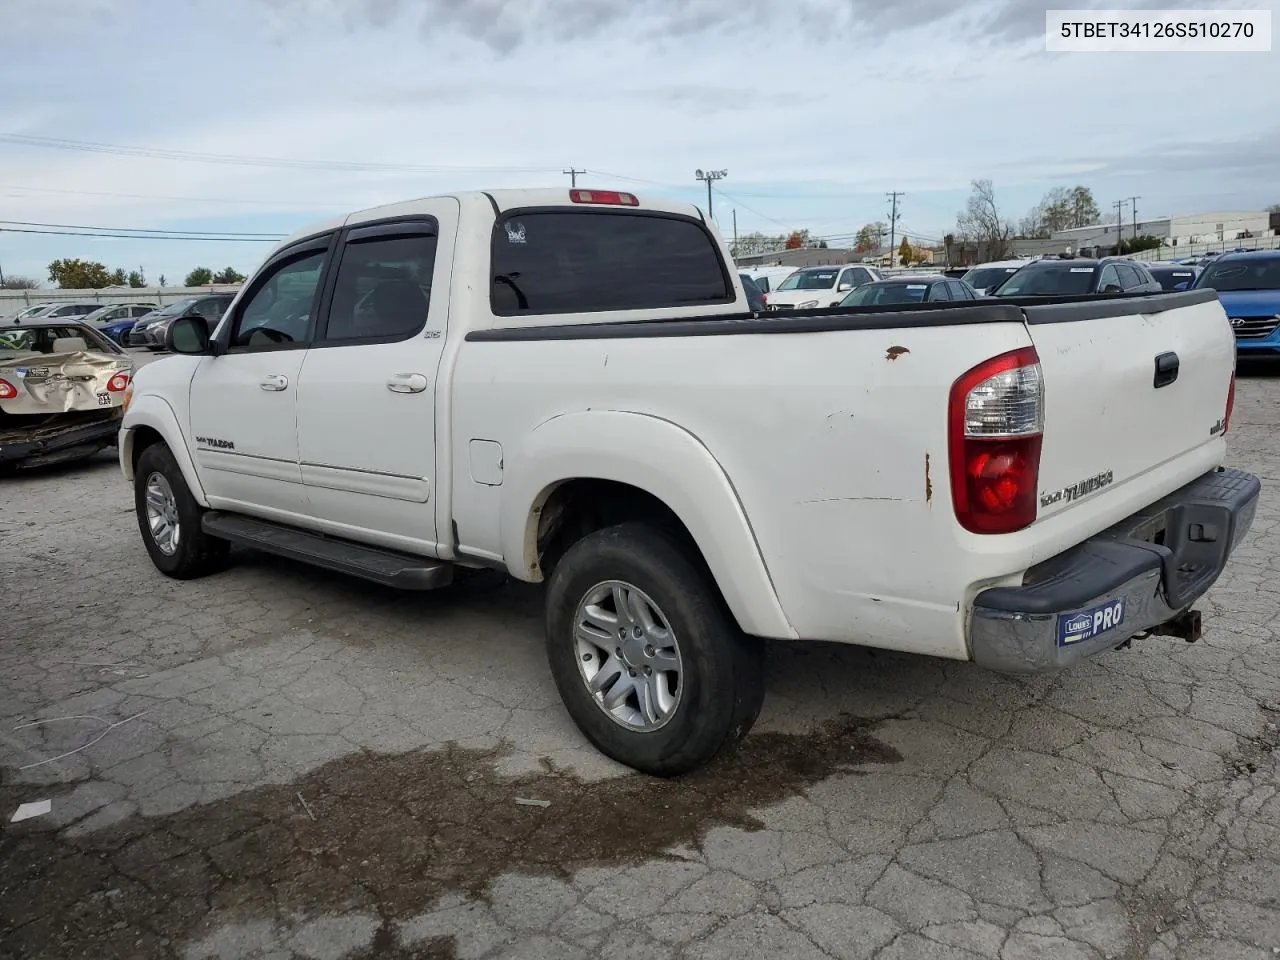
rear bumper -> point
(1128, 580)
(51, 446)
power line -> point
(201, 233)
(155, 153)
(160, 196)
(136, 236)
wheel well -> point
(575, 508)
(143, 437)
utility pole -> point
(735, 231)
(1134, 202)
(572, 174)
(893, 222)
(1119, 205)
(710, 176)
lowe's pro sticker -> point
(1074, 628)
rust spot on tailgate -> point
(893, 353)
(928, 482)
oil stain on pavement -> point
(385, 834)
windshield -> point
(175, 309)
(877, 294)
(810, 280)
(31, 311)
(1048, 280)
(1260, 274)
(984, 278)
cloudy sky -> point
(258, 116)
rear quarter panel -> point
(835, 443)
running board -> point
(388, 567)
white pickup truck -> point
(567, 385)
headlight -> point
(807, 305)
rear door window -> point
(579, 261)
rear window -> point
(578, 261)
(1048, 279)
(1169, 279)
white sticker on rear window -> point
(915, 286)
(1177, 274)
(1082, 269)
(515, 232)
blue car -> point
(1248, 286)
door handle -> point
(407, 383)
(1166, 370)
(274, 382)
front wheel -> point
(648, 661)
(169, 518)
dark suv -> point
(150, 330)
(1073, 276)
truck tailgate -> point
(1129, 385)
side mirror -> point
(1112, 288)
(189, 335)
(843, 287)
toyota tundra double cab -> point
(568, 386)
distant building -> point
(803, 257)
(1181, 231)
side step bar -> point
(388, 567)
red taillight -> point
(604, 196)
(7, 390)
(119, 383)
(995, 431)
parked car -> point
(811, 287)
(755, 296)
(930, 288)
(64, 310)
(149, 330)
(1173, 276)
(25, 312)
(1248, 286)
(987, 276)
(1074, 276)
(118, 311)
(62, 387)
(567, 385)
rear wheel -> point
(169, 519)
(648, 661)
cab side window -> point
(277, 313)
(383, 288)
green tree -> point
(1139, 243)
(118, 279)
(137, 278)
(229, 275)
(904, 252)
(80, 274)
(199, 277)
(162, 281)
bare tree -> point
(20, 283)
(981, 220)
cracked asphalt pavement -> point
(276, 762)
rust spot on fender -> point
(893, 353)
(928, 482)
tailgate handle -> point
(1166, 370)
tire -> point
(719, 687)
(195, 553)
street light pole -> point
(710, 176)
